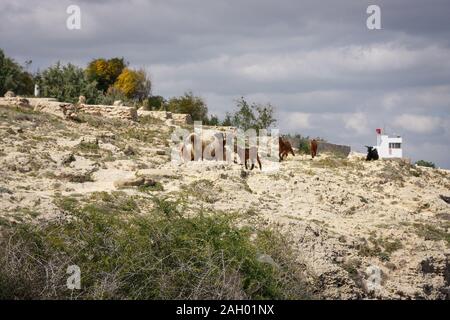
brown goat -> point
(313, 146)
(244, 155)
(285, 148)
(206, 144)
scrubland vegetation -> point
(126, 252)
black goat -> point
(372, 154)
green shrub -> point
(112, 95)
(67, 83)
(88, 146)
(190, 104)
(251, 116)
(301, 143)
(154, 103)
(149, 120)
(212, 120)
(381, 248)
(14, 77)
(143, 135)
(424, 163)
(433, 233)
(157, 187)
(123, 254)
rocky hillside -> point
(357, 229)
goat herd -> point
(217, 147)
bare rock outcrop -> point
(160, 115)
(48, 105)
(62, 110)
(67, 159)
(91, 140)
(177, 118)
(182, 118)
(135, 182)
(120, 112)
(82, 100)
(14, 101)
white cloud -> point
(418, 123)
(296, 121)
(357, 122)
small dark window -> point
(395, 145)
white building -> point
(389, 146)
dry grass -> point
(433, 233)
(336, 162)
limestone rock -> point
(82, 100)
(161, 152)
(180, 118)
(176, 118)
(169, 123)
(10, 94)
(135, 182)
(106, 135)
(89, 140)
(129, 151)
(67, 159)
(22, 163)
(160, 115)
(120, 112)
(62, 110)
(15, 102)
(14, 130)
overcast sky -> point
(327, 74)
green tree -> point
(105, 72)
(213, 120)
(252, 116)
(67, 83)
(227, 122)
(154, 103)
(265, 116)
(111, 96)
(134, 84)
(244, 117)
(14, 77)
(190, 104)
(300, 142)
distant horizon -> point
(326, 73)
